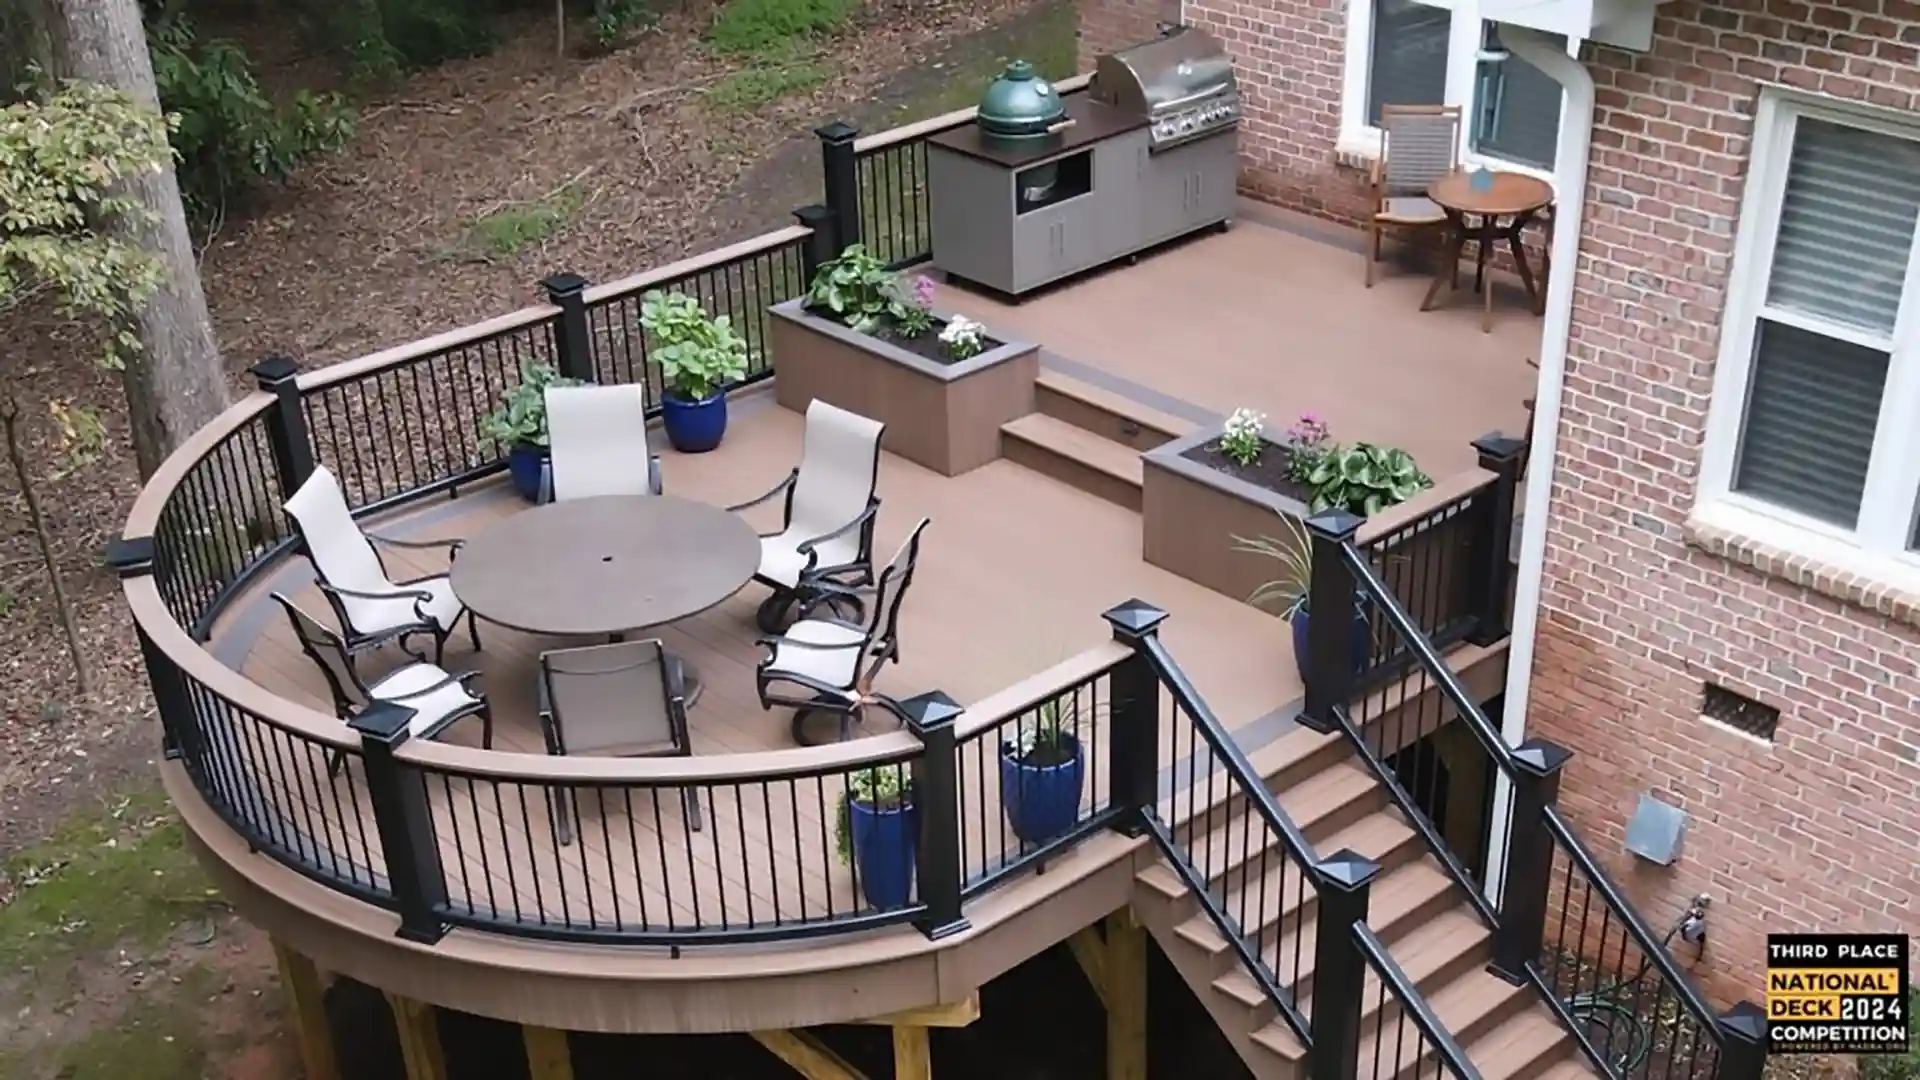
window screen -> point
(1516, 113)
(1409, 55)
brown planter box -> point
(944, 416)
(1191, 513)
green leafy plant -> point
(1240, 438)
(522, 415)
(751, 26)
(229, 136)
(883, 787)
(1307, 442)
(1897, 1066)
(857, 289)
(1365, 479)
(612, 19)
(962, 338)
(697, 354)
(1294, 553)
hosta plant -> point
(697, 354)
(522, 415)
(1365, 479)
(857, 289)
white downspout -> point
(1570, 186)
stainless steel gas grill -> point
(1041, 187)
(1182, 82)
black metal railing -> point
(1036, 780)
(1407, 1037)
(1396, 734)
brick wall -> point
(1820, 830)
(1111, 25)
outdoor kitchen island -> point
(1041, 188)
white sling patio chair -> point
(597, 444)
(373, 609)
(831, 663)
(437, 697)
(826, 534)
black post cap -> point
(1335, 524)
(563, 284)
(275, 369)
(930, 710)
(1133, 619)
(131, 556)
(837, 131)
(1494, 446)
(384, 721)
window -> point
(1817, 397)
(1516, 109)
(1407, 58)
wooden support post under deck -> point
(1124, 974)
(807, 1055)
(951, 1015)
(419, 1038)
(547, 1055)
(912, 1053)
(307, 996)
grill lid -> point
(1170, 72)
(1019, 104)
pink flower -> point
(924, 289)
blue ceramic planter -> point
(694, 427)
(1362, 640)
(523, 464)
(884, 843)
(1042, 801)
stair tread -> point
(1306, 803)
(1571, 1067)
(1518, 1044)
(1118, 404)
(1080, 445)
(1374, 836)
(1403, 890)
(1459, 1005)
(1420, 952)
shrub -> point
(1897, 1066)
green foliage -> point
(1897, 1066)
(882, 787)
(510, 229)
(1241, 439)
(757, 87)
(698, 355)
(522, 415)
(751, 26)
(1365, 479)
(856, 288)
(612, 19)
(1294, 553)
(228, 134)
(58, 159)
(383, 38)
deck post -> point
(287, 435)
(309, 1013)
(1492, 551)
(840, 170)
(1523, 894)
(1743, 1042)
(1343, 882)
(419, 1028)
(912, 1053)
(1334, 604)
(548, 1056)
(936, 794)
(132, 557)
(404, 817)
(1133, 702)
(1124, 975)
(572, 336)
(821, 246)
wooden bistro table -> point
(605, 566)
(1501, 212)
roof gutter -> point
(1570, 185)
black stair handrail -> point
(1367, 585)
(1415, 1007)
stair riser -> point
(1392, 930)
(1294, 772)
(1388, 1019)
(1067, 470)
(1091, 417)
(1191, 965)
(1242, 847)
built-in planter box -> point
(1191, 511)
(945, 416)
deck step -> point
(1105, 413)
(1521, 1047)
(1392, 1048)
(1075, 456)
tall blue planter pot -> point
(1362, 640)
(694, 427)
(884, 845)
(523, 464)
(1041, 801)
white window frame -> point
(1360, 141)
(1877, 547)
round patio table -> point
(1501, 211)
(606, 566)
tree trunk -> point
(10, 434)
(176, 383)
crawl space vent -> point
(1740, 712)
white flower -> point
(1245, 424)
(962, 337)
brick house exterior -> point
(1818, 829)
